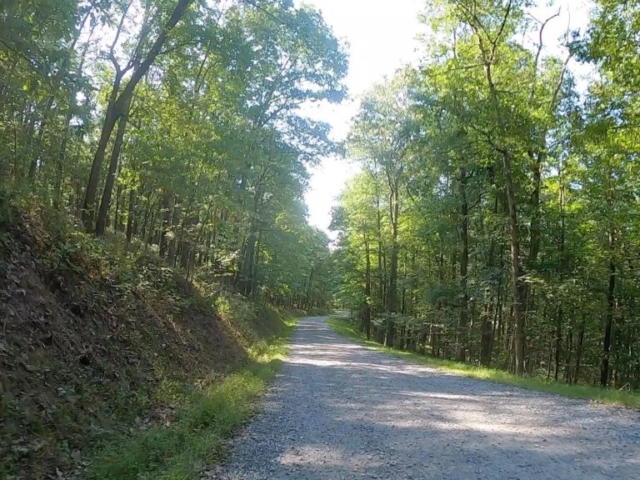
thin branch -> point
(112, 55)
(540, 48)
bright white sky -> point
(382, 37)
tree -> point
(196, 107)
(516, 246)
(381, 136)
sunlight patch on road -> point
(326, 456)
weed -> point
(206, 418)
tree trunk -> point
(166, 224)
(131, 214)
(576, 375)
(110, 120)
(611, 300)
(245, 277)
(519, 287)
(101, 221)
(175, 221)
(558, 346)
(392, 307)
(464, 269)
(381, 273)
(367, 290)
(36, 155)
(569, 353)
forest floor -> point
(341, 410)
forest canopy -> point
(176, 127)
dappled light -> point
(342, 410)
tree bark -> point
(464, 268)
(367, 290)
(101, 221)
(166, 224)
(611, 301)
(131, 214)
(394, 210)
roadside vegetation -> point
(197, 437)
(495, 217)
(113, 365)
(346, 327)
(116, 367)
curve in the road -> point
(342, 411)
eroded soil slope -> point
(93, 342)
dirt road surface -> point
(339, 410)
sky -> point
(382, 37)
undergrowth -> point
(111, 359)
(207, 417)
(601, 395)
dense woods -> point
(495, 220)
(175, 128)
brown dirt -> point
(89, 347)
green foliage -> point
(201, 128)
(505, 196)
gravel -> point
(342, 411)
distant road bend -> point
(341, 411)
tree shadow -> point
(340, 410)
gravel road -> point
(341, 411)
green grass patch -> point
(207, 417)
(601, 395)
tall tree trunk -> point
(381, 273)
(118, 213)
(60, 161)
(175, 221)
(110, 120)
(611, 291)
(519, 286)
(567, 361)
(36, 154)
(166, 224)
(392, 307)
(611, 304)
(535, 208)
(576, 376)
(464, 268)
(131, 214)
(367, 289)
(486, 344)
(101, 221)
(558, 345)
(245, 279)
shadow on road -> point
(341, 411)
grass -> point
(600, 395)
(197, 437)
